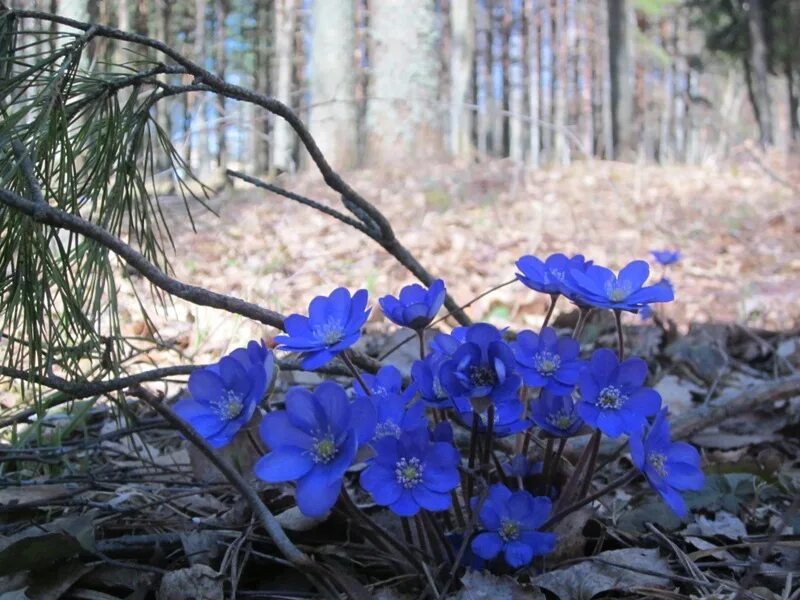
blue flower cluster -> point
(588, 284)
(224, 396)
(473, 376)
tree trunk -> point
(282, 136)
(516, 92)
(259, 148)
(534, 137)
(403, 115)
(560, 76)
(334, 115)
(792, 71)
(220, 14)
(484, 93)
(758, 71)
(462, 60)
(621, 72)
(198, 102)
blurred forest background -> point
(543, 82)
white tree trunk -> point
(462, 61)
(334, 114)
(282, 137)
(403, 111)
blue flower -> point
(601, 288)
(333, 324)
(445, 345)
(520, 466)
(556, 415)
(314, 441)
(416, 307)
(386, 382)
(510, 521)
(412, 472)
(613, 396)
(425, 375)
(645, 313)
(670, 467)
(508, 416)
(224, 396)
(666, 257)
(548, 361)
(483, 366)
(394, 416)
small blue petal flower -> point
(612, 394)
(416, 306)
(224, 396)
(520, 466)
(395, 415)
(510, 522)
(508, 416)
(601, 288)
(670, 467)
(556, 414)
(411, 472)
(551, 275)
(548, 361)
(666, 257)
(333, 324)
(425, 375)
(386, 382)
(313, 442)
(483, 366)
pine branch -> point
(212, 82)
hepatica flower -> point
(416, 306)
(670, 467)
(508, 416)
(520, 466)
(412, 472)
(333, 324)
(666, 257)
(549, 276)
(395, 415)
(425, 374)
(482, 367)
(556, 415)
(509, 521)
(224, 396)
(601, 288)
(386, 382)
(612, 394)
(547, 361)
(313, 442)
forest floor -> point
(122, 508)
(737, 226)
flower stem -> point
(620, 338)
(487, 450)
(594, 443)
(583, 315)
(572, 483)
(421, 336)
(548, 462)
(356, 373)
(473, 451)
(553, 300)
(627, 478)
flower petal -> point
(285, 464)
(316, 495)
(487, 545)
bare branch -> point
(302, 200)
(352, 199)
